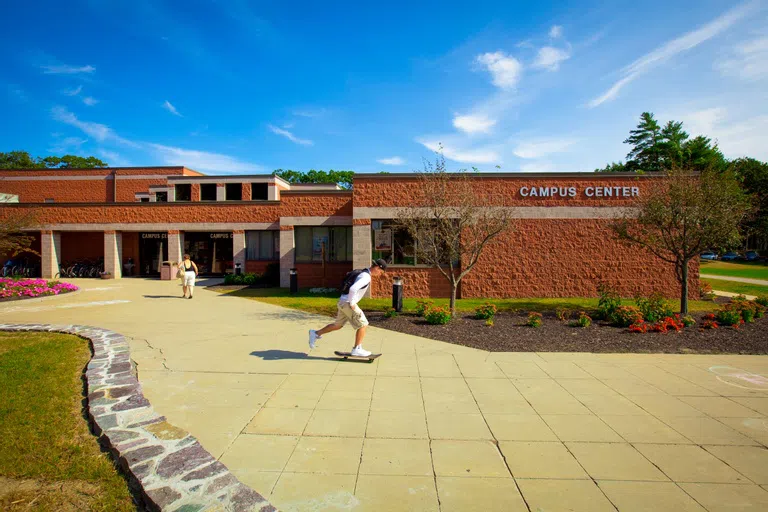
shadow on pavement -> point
(163, 297)
(278, 355)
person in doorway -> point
(353, 289)
(190, 272)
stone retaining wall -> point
(171, 468)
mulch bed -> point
(509, 334)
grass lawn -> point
(726, 268)
(735, 287)
(326, 304)
(49, 460)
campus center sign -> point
(572, 191)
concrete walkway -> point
(731, 295)
(429, 425)
(761, 282)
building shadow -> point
(282, 355)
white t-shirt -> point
(358, 289)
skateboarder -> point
(353, 289)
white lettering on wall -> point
(617, 191)
(589, 191)
(524, 191)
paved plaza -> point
(432, 426)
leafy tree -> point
(342, 178)
(15, 237)
(684, 214)
(23, 160)
(672, 145)
(613, 167)
(645, 139)
(451, 222)
(753, 176)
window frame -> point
(299, 231)
(260, 233)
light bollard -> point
(294, 280)
(397, 294)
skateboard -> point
(347, 355)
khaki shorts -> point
(352, 314)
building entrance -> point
(153, 251)
(212, 252)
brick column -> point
(246, 192)
(238, 249)
(287, 248)
(362, 248)
(113, 253)
(50, 251)
(175, 246)
(221, 192)
(273, 193)
(195, 192)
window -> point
(259, 191)
(143, 199)
(312, 242)
(395, 245)
(161, 197)
(183, 192)
(208, 192)
(262, 245)
(234, 191)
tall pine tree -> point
(645, 139)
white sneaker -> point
(313, 337)
(360, 352)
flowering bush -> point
(534, 319)
(728, 315)
(640, 327)
(608, 303)
(624, 316)
(485, 311)
(423, 306)
(438, 316)
(762, 300)
(584, 320)
(654, 308)
(489, 322)
(31, 288)
(709, 324)
(705, 291)
(688, 321)
(667, 324)
(709, 317)
(563, 314)
(390, 313)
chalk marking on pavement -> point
(34, 309)
(758, 382)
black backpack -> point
(350, 279)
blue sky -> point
(233, 86)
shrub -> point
(688, 321)
(534, 319)
(390, 313)
(709, 317)
(709, 324)
(705, 291)
(762, 300)
(423, 306)
(624, 316)
(748, 310)
(654, 308)
(485, 311)
(437, 316)
(489, 322)
(727, 315)
(608, 302)
(584, 320)
(640, 327)
(251, 279)
(563, 314)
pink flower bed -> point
(30, 288)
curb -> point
(169, 466)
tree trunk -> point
(684, 290)
(453, 300)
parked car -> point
(730, 256)
(751, 256)
(708, 255)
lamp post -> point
(397, 294)
(237, 269)
(294, 280)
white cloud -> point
(290, 136)
(310, 112)
(667, 51)
(556, 31)
(100, 132)
(542, 147)
(703, 122)
(215, 163)
(67, 144)
(395, 160)
(113, 159)
(90, 101)
(471, 156)
(538, 167)
(736, 134)
(473, 123)
(749, 61)
(550, 58)
(73, 92)
(170, 108)
(504, 69)
(63, 69)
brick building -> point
(560, 246)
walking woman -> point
(190, 272)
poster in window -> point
(317, 246)
(382, 240)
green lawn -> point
(726, 268)
(327, 304)
(44, 438)
(736, 287)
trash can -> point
(168, 271)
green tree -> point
(701, 154)
(23, 160)
(342, 178)
(753, 176)
(671, 147)
(645, 141)
(678, 217)
(613, 167)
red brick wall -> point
(195, 192)
(311, 274)
(417, 282)
(246, 191)
(77, 246)
(258, 266)
(315, 204)
(382, 192)
(127, 189)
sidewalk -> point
(761, 282)
(432, 426)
